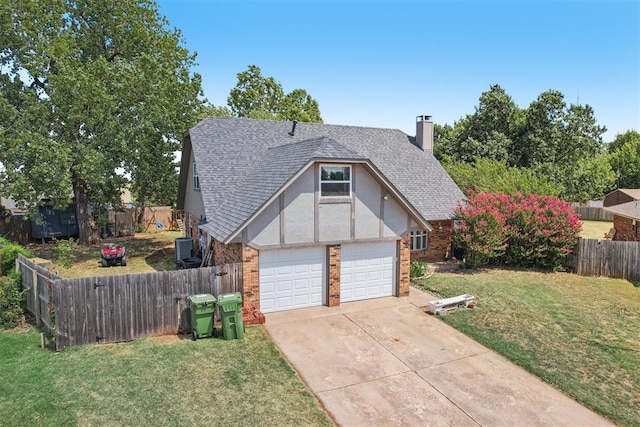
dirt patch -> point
(168, 339)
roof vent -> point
(293, 128)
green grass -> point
(146, 253)
(595, 229)
(162, 381)
(580, 334)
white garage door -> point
(292, 278)
(367, 270)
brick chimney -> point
(424, 133)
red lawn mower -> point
(113, 255)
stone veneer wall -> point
(226, 254)
(333, 255)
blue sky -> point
(382, 63)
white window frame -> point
(346, 181)
(419, 240)
(196, 178)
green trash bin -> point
(230, 309)
(202, 307)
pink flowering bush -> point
(518, 230)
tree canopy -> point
(87, 89)
(557, 143)
(625, 159)
(259, 97)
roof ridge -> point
(303, 123)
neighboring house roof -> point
(243, 163)
(629, 210)
(631, 192)
(621, 195)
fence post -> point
(36, 295)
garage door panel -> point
(367, 270)
(292, 278)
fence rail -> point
(109, 309)
(608, 258)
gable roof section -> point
(621, 195)
(278, 166)
(242, 163)
(628, 210)
(631, 192)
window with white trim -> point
(196, 179)
(419, 240)
(335, 181)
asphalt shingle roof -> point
(242, 163)
(629, 209)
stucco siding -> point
(300, 216)
(334, 222)
(396, 219)
(265, 229)
(193, 198)
(299, 199)
(368, 196)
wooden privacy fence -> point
(37, 281)
(593, 214)
(109, 309)
(608, 258)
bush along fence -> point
(620, 260)
(110, 309)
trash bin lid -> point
(230, 298)
(201, 299)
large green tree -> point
(630, 136)
(259, 97)
(487, 133)
(625, 159)
(557, 133)
(88, 88)
(561, 142)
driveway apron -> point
(386, 362)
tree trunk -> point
(143, 206)
(86, 225)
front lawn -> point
(580, 334)
(164, 381)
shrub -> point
(494, 176)
(417, 269)
(8, 254)
(11, 312)
(63, 248)
(518, 230)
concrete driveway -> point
(386, 362)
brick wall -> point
(251, 314)
(439, 247)
(226, 254)
(624, 229)
(333, 252)
(405, 266)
